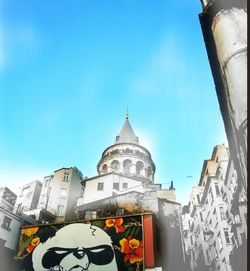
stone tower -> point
(127, 157)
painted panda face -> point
(76, 247)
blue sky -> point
(69, 69)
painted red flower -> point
(116, 222)
(35, 242)
(133, 249)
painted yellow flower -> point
(30, 231)
(133, 249)
(116, 222)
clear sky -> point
(69, 69)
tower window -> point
(149, 172)
(115, 165)
(116, 186)
(104, 168)
(139, 168)
(100, 186)
(127, 166)
(128, 151)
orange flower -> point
(117, 222)
(33, 244)
(30, 231)
(133, 249)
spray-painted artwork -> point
(102, 245)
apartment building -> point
(60, 192)
(236, 214)
(207, 233)
(28, 197)
(10, 224)
(52, 200)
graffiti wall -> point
(109, 244)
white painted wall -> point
(92, 194)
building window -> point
(191, 240)
(6, 223)
(60, 210)
(66, 177)
(100, 186)
(217, 189)
(125, 185)
(233, 241)
(19, 208)
(220, 244)
(63, 192)
(201, 217)
(120, 211)
(226, 232)
(211, 195)
(116, 186)
(222, 213)
(90, 214)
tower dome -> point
(127, 157)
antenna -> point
(127, 113)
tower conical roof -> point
(127, 134)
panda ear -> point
(46, 233)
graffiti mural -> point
(114, 244)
